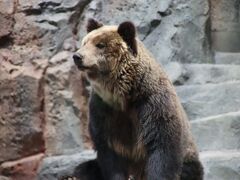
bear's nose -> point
(78, 59)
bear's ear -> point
(127, 31)
(93, 24)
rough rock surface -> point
(221, 165)
(227, 58)
(7, 24)
(63, 128)
(53, 168)
(21, 108)
(220, 132)
(43, 98)
(38, 110)
(180, 26)
(22, 169)
(7, 6)
(201, 74)
(225, 25)
(210, 99)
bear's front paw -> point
(131, 177)
(68, 178)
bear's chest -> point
(123, 132)
(113, 99)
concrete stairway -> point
(210, 93)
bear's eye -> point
(100, 45)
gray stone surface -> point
(205, 74)
(172, 30)
(103, 11)
(7, 6)
(56, 167)
(4, 178)
(63, 127)
(175, 71)
(217, 132)
(218, 165)
(7, 24)
(210, 99)
(181, 36)
(225, 25)
(21, 110)
(221, 165)
(55, 21)
(227, 58)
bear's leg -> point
(89, 170)
(192, 170)
(161, 165)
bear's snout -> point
(78, 60)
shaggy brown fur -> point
(137, 123)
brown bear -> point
(137, 123)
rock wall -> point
(225, 25)
(40, 93)
(43, 98)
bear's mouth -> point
(82, 68)
(87, 68)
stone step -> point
(57, 167)
(217, 132)
(208, 73)
(221, 165)
(206, 100)
(218, 165)
(227, 57)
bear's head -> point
(109, 57)
(106, 50)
